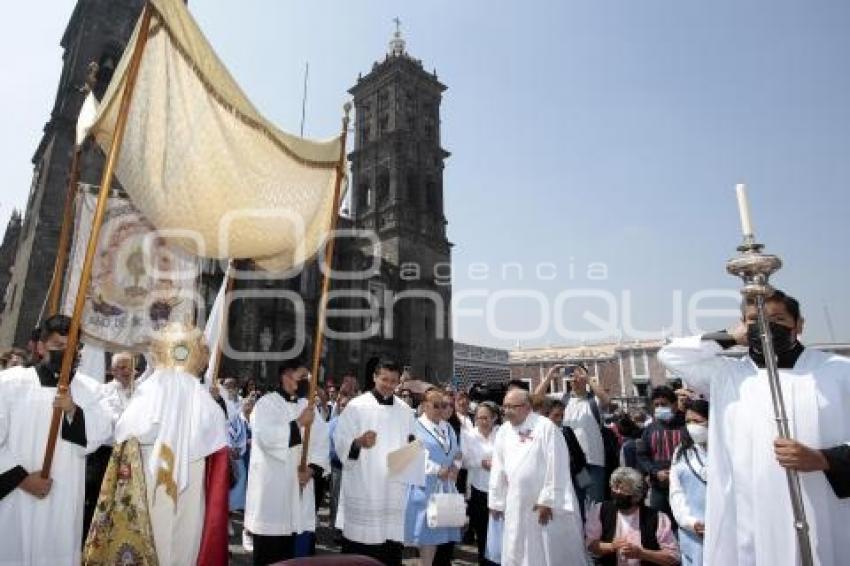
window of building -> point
(363, 198)
(639, 365)
(377, 290)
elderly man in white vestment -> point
(371, 503)
(41, 521)
(280, 501)
(530, 487)
(749, 517)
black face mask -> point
(54, 360)
(303, 388)
(622, 502)
(783, 338)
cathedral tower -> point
(397, 193)
(97, 32)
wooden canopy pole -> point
(100, 211)
(56, 283)
(326, 284)
(54, 294)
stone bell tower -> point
(397, 193)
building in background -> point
(480, 364)
(97, 31)
(625, 370)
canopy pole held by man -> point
(100, 211)
(56, 283)
(326, 282)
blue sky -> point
(581, 132)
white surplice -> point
(749, 520)
(371, 504)
(47, 531)
(177, 424)
(531, 466)
(275, 505)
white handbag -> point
(445, 509)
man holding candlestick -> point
(749, 514)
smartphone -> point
(567, 372)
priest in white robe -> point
(117, 393)
(372, 502)
(749, 520)
(41, 521)
(182, 434)
(280, 501)
(530, 487)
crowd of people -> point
(543, 479)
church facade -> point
(393, 297)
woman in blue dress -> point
(237, 439)
(688, 483)
(439, 439)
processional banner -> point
(139, 282)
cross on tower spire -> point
(397, 46)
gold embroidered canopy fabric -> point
(200, 161)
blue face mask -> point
(663, 413)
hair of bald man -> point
(524, 395)
(118, 356)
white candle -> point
(744, 209)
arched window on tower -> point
(364, 200)
(106, 68)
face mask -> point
(54, 360)
(783, 338)
(303, 388)
(663, 413)
(622, 502)
(698, 433)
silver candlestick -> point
(755, 269)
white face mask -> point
(698, 432)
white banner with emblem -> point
(139, 282)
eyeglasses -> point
(509, 406)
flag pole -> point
(326, 283)
(222, 324)
(55, 291)
(100, 211)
